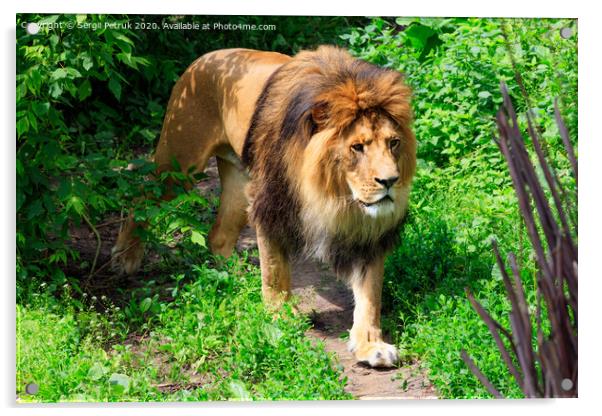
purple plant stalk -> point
(543, 365)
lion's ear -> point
(319, 114)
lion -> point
(316, 151)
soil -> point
(330, 305)
(328, 302)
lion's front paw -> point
(376, 354)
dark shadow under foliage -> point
(427, 264)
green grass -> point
(214, 341)
(444, 251)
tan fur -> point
(208, 114)
(324, 140)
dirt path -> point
(329, 303)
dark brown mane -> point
(317, 90)
(321, 89)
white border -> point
(514, 8)
(589, 154)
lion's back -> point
(234, 81)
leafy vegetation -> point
(462, 196)
(90, 104)
(211, 339)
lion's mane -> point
(321, 91)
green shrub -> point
(69, 167)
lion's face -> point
(356, 180)
(331, 154)
(371, 152)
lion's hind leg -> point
(128, 251)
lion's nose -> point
(388, 182)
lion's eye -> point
(358, 147)
(394, 144)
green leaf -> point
(73, 73)
(273, 333)
(20, 200)
(48, 19)
(148, 134)
(20, 168)
(84, 90)
(418, 35)
(34, 81)
(197, 238)
(22, 126)
(405, 21)
(145, 304)
(239, 391)
(496, 273)
(58, 73)
(41, 109)
(87, 62)
(33, 122)
(97, 371)
(123, 38)
(120, 383)
(126, 58)
(484, 94)
(34, 209)
(75, 203)
(115, 87)
(54, 40)
(55, 90)
(21, 90)
(80, 18)
(199, 175)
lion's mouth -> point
(384, 199)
